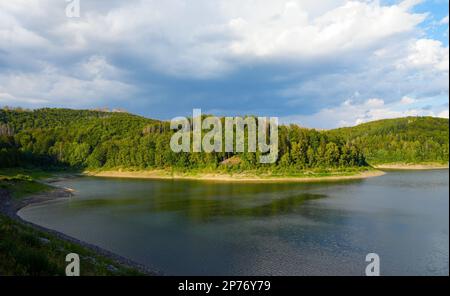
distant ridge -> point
(404, 140)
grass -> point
(26, 251)
(22, 182)
(35, 173)
(20, 186)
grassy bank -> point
(20, 186)
(27, 250)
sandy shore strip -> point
(406, 166)
(164, 175)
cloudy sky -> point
(320, 63)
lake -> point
(185, 227)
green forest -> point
(86, 139)
(412, 140)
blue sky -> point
(433, 25)
(321, 64)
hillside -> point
(46, 137)
(106, 140)
(100, 140)
(400, 140)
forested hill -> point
(21, 120)
(98, 139)
(95, 139)
(69, 137)
(408, 139)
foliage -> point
(402, 140)
(96, 140)
(105, 140)
(21, 185)
(26, 251)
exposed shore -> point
(10, 208)
(246, 178)
(408, 166)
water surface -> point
(204, 228)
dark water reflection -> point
(192, 228)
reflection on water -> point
(190, 228)
(208, 207)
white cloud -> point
(53, 87)
(97, 67)
(203, 39)
(351, 113)
(374, 103)
(407, 100)
(13, 35)
(290, 30)
(427, 53)
(444, 20)
(306, 53)
(443, 113)
(6, 98)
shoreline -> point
(11, 208)
(237, 178)
(412, 167)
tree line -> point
(97, 139)
(407, 140)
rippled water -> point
(204, 228)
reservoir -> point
(185, 227)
